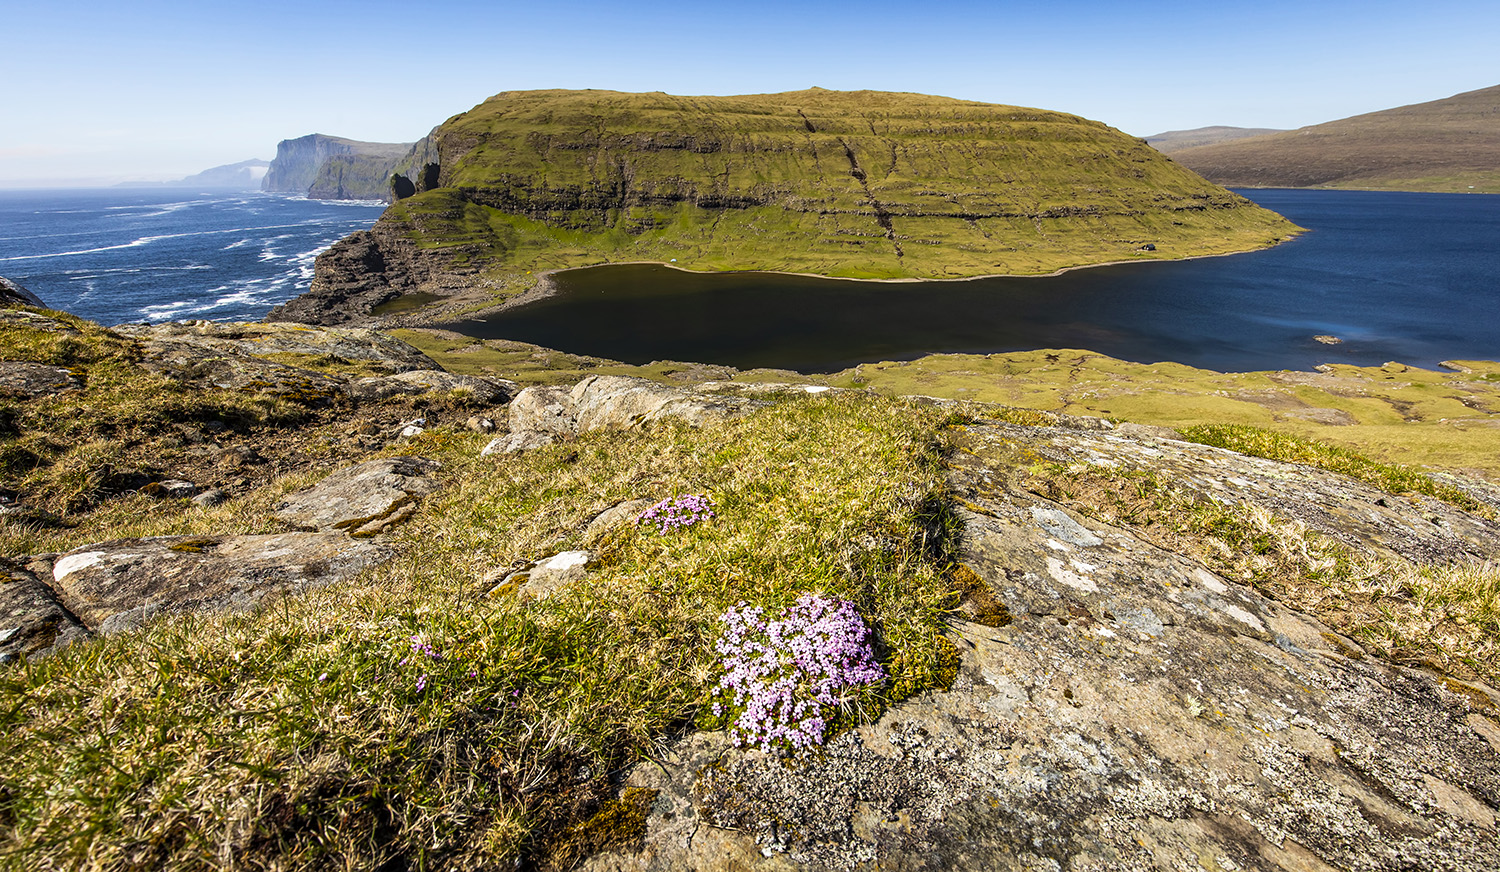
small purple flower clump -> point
(675, 512)
(783, 674)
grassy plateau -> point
(858, 184)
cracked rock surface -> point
(364, 499)
(543, 415)
(1139, 712)
(117, 585)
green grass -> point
(855, 184)
(297, 737)
(1443, 420)
(64, 452)
(1390, 477)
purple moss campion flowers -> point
(786, 673)
(675, 512)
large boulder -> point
(117, 585)
(362, 500)
(480, 390)
(1137, 711)
(542, 415)
(12, 294)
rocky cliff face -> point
(360, 170)
(859, 184)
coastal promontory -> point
(857, 184)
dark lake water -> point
(1409, 277)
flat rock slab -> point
(34, 379)
(32, 622)
(250, 339)
(1418, 528)
(543, 415)
(117, 585)
(1138, 712)
(362, 500)
(484, 391)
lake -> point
(1396, 276)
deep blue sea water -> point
(117, 255)
(1397, 276)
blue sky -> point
(97, 92)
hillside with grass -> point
(288, 597)
(858, 184)
(1449, 145)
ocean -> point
(121, 255)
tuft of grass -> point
(64, 452)
(1272, 445)
(423, 717)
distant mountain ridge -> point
(1443, 145)
(1177, 140)
(246, 175)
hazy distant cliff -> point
(332, 167)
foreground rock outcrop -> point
(1136, 711)
(12, 294)
(543, 415)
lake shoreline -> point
(546, 285)
(1398, 277)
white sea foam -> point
(147, 240)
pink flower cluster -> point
(675, 512)
(784, 674)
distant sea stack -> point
(858, 184)
(334, 168)
(1445, 145)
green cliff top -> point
(859, 184)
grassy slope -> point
(312, 735)
(1445, 420)
(859, 184)
(1177, 140)
(1444, 145)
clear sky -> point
(97, 92)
